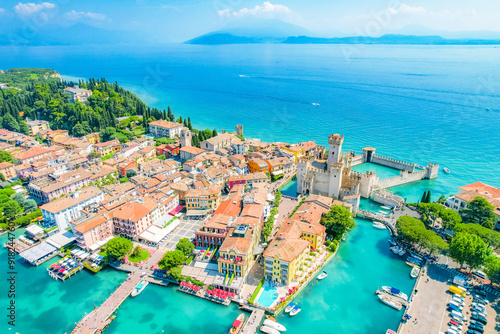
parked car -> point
(476, 328)
(471, 331)
(477, 323)
(479, 318)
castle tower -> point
(186, 138)
(302, 166)
(239, 130)
(335, 149)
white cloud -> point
(267, 9)
(78, 16)
(27, 9)
(406, 9)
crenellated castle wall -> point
(393, 163)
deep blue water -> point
(416, 103)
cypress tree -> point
(428, 198)
(189, 124)
(424, 197)
(214, 133)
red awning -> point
(236, 323)
(176, 210)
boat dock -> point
(251, 326)
(376, 217)
(97, 320)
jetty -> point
(252, 324)
(97, 320)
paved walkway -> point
(429, 304)
(286, 207)
(253, 322)
(185, 229)
(98, 319)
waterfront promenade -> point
(252, 324)
(97, 320)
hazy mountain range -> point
(243, 32)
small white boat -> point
(268, 330)
(274, 325)
(415, 271)
(316, 104)
(322, 275)
(395, 292)
(295, 310)
(378, 225)
(289, 307)
(392, 242)
(139, 287)
(446, 170)
(386, 207)
(387, 300)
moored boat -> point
(387, 300)
(323, 275)
(378, 225)
(395, 292)
(392, 242)
(446, 170)
(415, 271)
(237, 324)
(386, 208)
(139, 287)
(274, 325)
(271, 318)
(296, 309)
(269, 330)
(289, 307)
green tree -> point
(176, 274)
(124, 179)
(11, 209)
(118, 247)
(428, 198)
(450, 219)
(185, 246)
(214, 133)
(136, 252)
(5, 156)
(30, 205)
(489, 236)
(442, 199)
(479, 211)
(469, 249)
(172, 259)
(411, 229)
(19, 198)
(424, 197)
(338, 220)
(492, 269)
(2, 178)
(433, 242)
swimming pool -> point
(268, 295)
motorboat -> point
(415, 271)
(289, 307)
(139, 287)
(322, 275)
(274, 325)
(271, 318)
(387, 300)
(398, 250)
(446, 170)
(237, 324)
(296, 309)
(269, 330)
(386, 208)
(390, 331)
(378, 225)
(392, 242)
(315, 104)
(395, 292)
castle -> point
(331, 175)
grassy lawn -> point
(143, 256)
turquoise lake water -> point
(416, 103)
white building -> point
(63, 210)
(165, 129)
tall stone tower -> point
(239, 130)
(186, 138)
(335, 149)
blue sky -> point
(178, 20)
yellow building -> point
(37, 126)
(103, 149)
(203, 199)
(284, 258)
(236, 252)
(93, 138)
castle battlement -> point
(396, 161)
(335, 139)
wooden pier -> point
(97, 320)
(252, 324)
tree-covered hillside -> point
(39, 94)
